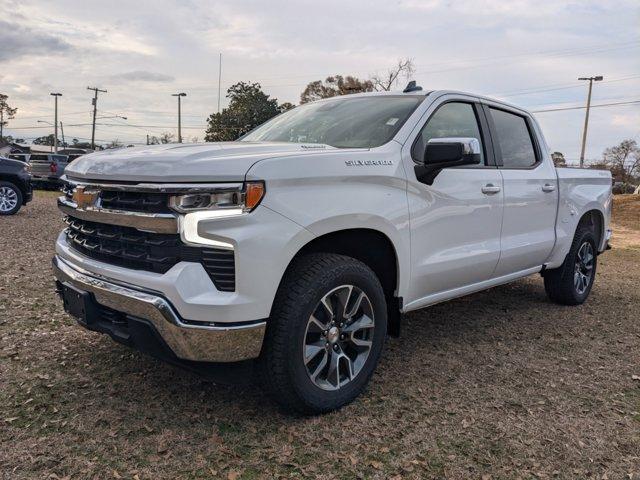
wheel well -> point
(595, 220)
(374, 249)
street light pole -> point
(586, 117)
(179, 95)
(55, 122)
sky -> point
(529, 53)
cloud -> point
(142, 76)
(19, 40)
(143, 54)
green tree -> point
(248, 107)
(46, 140)
(334, 86)
(558, 159)
(6, 113)
(286, 106)
(78, 144)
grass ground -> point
(501, 384)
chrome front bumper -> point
(210, 342)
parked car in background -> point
(300, 245)
(15, 185)
(73, 153)
(46, 168)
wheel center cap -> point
(333, 334)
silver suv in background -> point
(46, 168)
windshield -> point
(358, 122)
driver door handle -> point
(490, 188)
(548, 187)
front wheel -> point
(325, 335)
(571, 283)
(10, 198)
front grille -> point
(135, 201)
(132, 201)
(154, 252)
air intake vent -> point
(220, 265)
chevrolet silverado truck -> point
(298, 247)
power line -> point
(20, 117)
(554, 53)
(559, 86)
(583, 107)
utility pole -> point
(94, 102)
(62, 131)
(219, 79)
(55, 122)
(1, 123)
(586, 117)
(147, 139)
(179, 95)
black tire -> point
(10, 187)
(281, 368)
(560, 283)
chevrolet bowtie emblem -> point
(84, 198)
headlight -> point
(241, 199)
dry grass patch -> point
(501, 384)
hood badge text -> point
(367, 163)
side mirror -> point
(449, 151)
(445, 153)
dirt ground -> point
(501, 384)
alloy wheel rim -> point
(8, 199)
(338, 337)
(584, 268)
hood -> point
(204, 162)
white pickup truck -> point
(297, 248)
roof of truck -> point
(437, 93)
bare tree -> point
(404, 68)
(623, 160)
(114, 144)
(166, 137)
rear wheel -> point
(10, 198)
(570, 284)
(325, 334)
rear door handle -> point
(548, 187)
(490, 188)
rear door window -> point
(514, 139)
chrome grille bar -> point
(147, 222)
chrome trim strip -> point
(147, 222)
(160, 187)
(189, 341)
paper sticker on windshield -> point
(392, 121)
